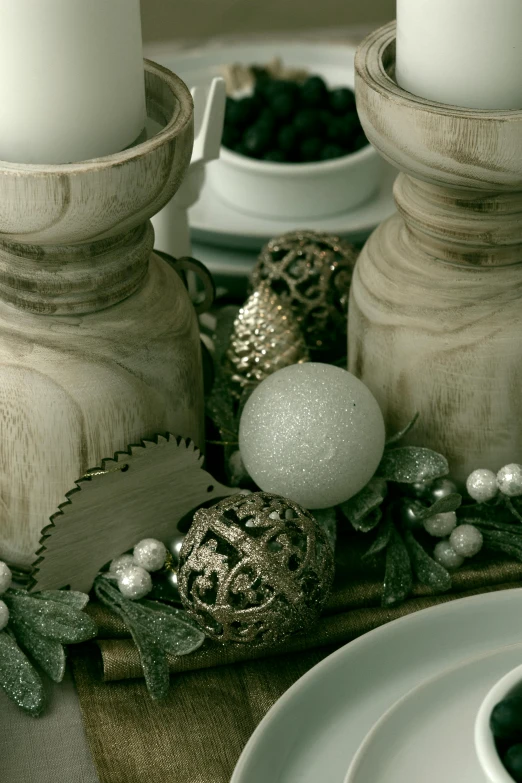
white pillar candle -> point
(71, 79)
(461, 52)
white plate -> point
(217, 223)
(428, 735)
(313, 732)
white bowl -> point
(484, 741)
(296, 190)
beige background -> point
(182, 19)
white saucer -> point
(216, 223)
(314, 731)
(428, 735)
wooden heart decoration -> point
(140, 493)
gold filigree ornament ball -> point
(311, 272)
(265, 338)
(255, 569)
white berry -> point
(441, 525)
(134, 582)
(120, 563)
(4, 615)
(466, 540)
(150, 554)
(509, 480)
(446, 555)
(6, 577)
(482, 485)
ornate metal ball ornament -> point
(311, 271)
(254, 568)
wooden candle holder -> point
(435, 322)
(99, 340)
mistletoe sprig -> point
(157, 629)
(39, 627)
(378, 510)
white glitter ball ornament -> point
(6, 577)
(150, 554)
(119, 564)
(482, 485)
(446, 556)
(466, 540)
(134, 582)
(441, 525)
(312, 433)
(509, 480)
(4, 615)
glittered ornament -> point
(509, 480)
(265, 338)
(4, 615)
(466, 540)
(313, 433)
(441, 525)
(482, 485)
(446, 556)
(441, 488)
(6, 577)
(119, 564)
(150, 554)
(255, 569)
(311, 272)
(134, 582)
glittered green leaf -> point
(427, 570)
(382, 539)
(410, 464)
(512, 528)
(368, 500)
(49, 654)
(449, 503)
(402, 433)
(52, 619)
(156, 629)
(398, 578)
(499, 541)
(327, 519)
(18, 678)
(72, 598)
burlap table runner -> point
(218, 695)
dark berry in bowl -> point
(332, 151)
(513, 762)
(307, 123)
(275, 156)
(342, 100)
(287, 139)
(310, 150)
(314, 92)
(506, 719)
(257, 140)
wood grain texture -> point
(435, 318)
(99, 342)
(106, 515)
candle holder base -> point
(435, 323)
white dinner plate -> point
(215, 222)
(428, 735)
(312, 734)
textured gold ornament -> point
(265, 338)
(255, 568)
(311, 272)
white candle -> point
(461, 52)
(71, 79)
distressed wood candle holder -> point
(435, 322)
(99, 340)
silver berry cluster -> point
(132, 571)
(458, 542)
(484, 485)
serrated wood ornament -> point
(139, 493)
